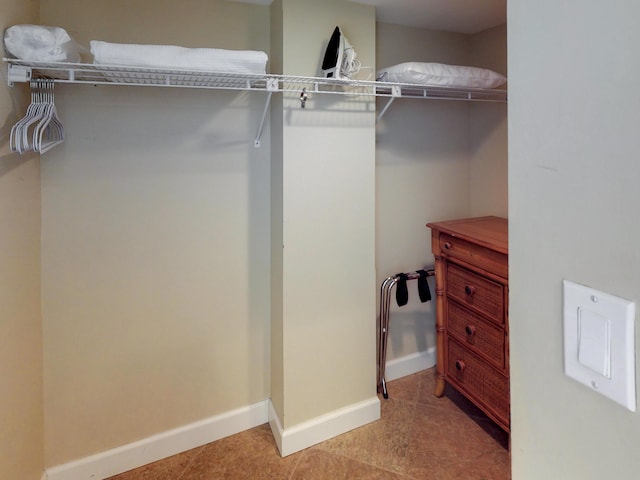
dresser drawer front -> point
(485, 338)
(479, 380)
(476, 292)
(490, 260)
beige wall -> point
(155, 227)
(435, 160)
(21, 415)
(488, 131)
(421, 159)
(574, 113)
(326, 333)
(190, 23)
(277, 210)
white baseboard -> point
(157, 447)
(414, 363)
(299, 437)
(324, 427)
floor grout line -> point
(195, 457)
(295, 467)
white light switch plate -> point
(599, 342)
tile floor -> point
(418, 437)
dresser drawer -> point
(484, 338)
(490, 260)
(476, 292)
(478, 380)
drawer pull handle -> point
(448, 246)
(470, 329)
(460, 366)
(469, 290)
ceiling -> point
(462, 16)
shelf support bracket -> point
(395, 93)
(272, 86)
(18, 73)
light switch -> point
(599, 342)
(594, 341)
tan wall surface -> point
(328, 222)
(155, 238)
(422, 175)
(488, 131)
(21, 415)
(434, 161)
(277, 122)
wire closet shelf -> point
(20, 71)
(94, 74)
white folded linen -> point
(441, 74)
(170, 56)
(41, 43)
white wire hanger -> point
(40, 129)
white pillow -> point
(441, 74)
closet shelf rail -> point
(95, 74)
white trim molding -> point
(324, 427)
(134, 455)
(410, 364)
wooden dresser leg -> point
(439, 390)
(440, 329)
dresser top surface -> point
(490, 232)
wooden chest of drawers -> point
(472, 327)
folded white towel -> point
(40, 43)
(169, 56)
